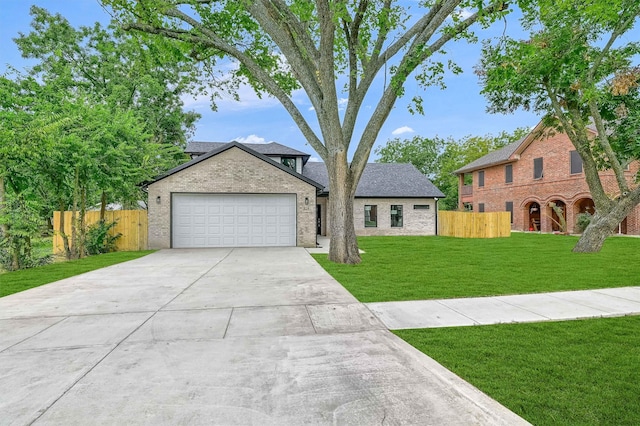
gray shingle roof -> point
(245, 148)
(382, 180)
(501, 155)
(271, 148)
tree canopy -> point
(579, 68)
(438, 158)
(96, 116)
(329, 49)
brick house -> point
(243, 195)
(527, 177)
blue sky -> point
(456, 111)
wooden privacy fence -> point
(474, 225)
(132, 224)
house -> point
(532, 176)
(239, 195)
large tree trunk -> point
(603, 223)
(344, 245)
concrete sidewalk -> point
(218, 336)
(556, 306)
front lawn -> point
(560, 373)
(14, 282)
(414, 268)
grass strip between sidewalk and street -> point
(433, 267)
(16, 281)
(554, 373)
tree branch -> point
(300, 56)
(617, 32)
(576, 131)
(263, 77)
(603, 139)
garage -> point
(233, 220)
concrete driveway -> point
(217, 336)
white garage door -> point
(233, 220)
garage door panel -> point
(233, 220)
(271, 220)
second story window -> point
(481, 179)
(508, 173)
(289, 162)
(576, 162)
(537, 168)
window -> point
(481, 208)
(481, 178)
(468, 207)
(537, 168)
(508, 173)
(576, 162)
(509, 208)
(396, 216)
(289, 162)
(421, 206)
(370, 216)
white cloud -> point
(464, 13)
(402, 130)
(196, 102)
(315, 159)
(250, 139)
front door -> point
(319, 219)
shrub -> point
(582, 221)
(99, 240)
(26, 258)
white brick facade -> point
(415, 221)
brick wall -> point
(232, 171)
(415, 222)
(557, 184)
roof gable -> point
(389, 180)
(502, 155)
(511, 152)
(271, 148)
(244, 148)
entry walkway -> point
(610, 302)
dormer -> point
(284, 155)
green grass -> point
(414, 268)
(14, 282)
(561, 373)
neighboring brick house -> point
(236, 195)
(528, 176)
